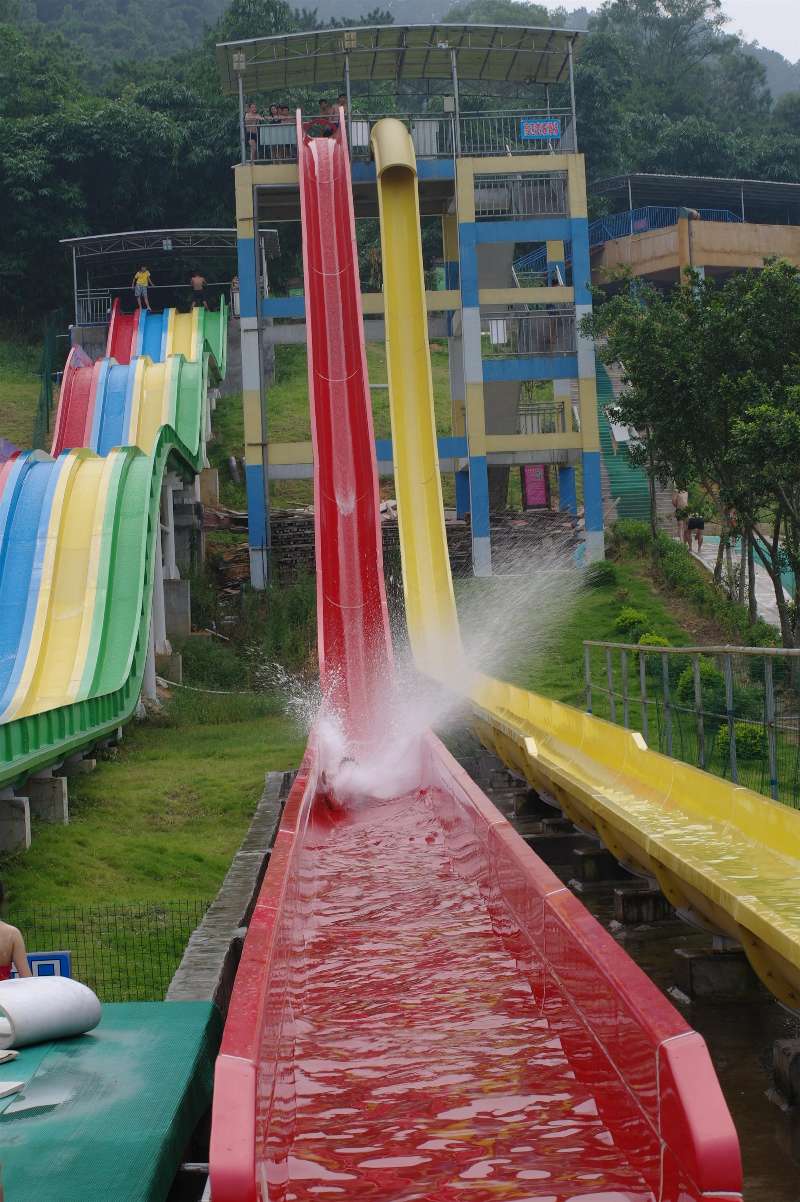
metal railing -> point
(497, 133)
(512, 332)
(541, 418)
(733, 711)
(623, 225)
(434, 134)
(532, 194)
(93, 306)
(125, 953)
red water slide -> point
(122, 330)
(422, 1009)
(73, 423)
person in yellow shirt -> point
(141, 281)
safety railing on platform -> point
(532, 194)
(435, 135)
(497, 133)
(528, 333)
(276, 141)
(625, 225)
(734, 711)
(540, 418)
(125, 953)
(93, 306)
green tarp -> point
(106, 1117)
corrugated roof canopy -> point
(490, 53)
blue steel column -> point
(473, 371)
(455, 359)
(587, 381)
(253, 399)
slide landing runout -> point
(429, 1060)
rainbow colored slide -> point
(422, 1010)
(76, 538)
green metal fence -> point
(734, 711)
(52, 361)
(125, 953)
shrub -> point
(600, 575)
(654, 640)
(751, 742)
(712, 691)
(206, 661)
(204, 598)
(630, 535)
(677, 663)
(631, 623)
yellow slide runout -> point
(725, 857)
(427, 583)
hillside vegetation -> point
(100, 132)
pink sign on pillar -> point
(535, 486)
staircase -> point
(628, 487)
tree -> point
(504, 12)
(712, 383)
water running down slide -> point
(422, 1010)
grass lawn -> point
(163, 819)
(19, 391)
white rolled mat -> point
(34, 1009)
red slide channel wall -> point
(122, 331)
(665, 1108)
(73, 424)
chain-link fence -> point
(52, 361)
(125, 953)
(734, 711)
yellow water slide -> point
(726, 857)
(427, 583)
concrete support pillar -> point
(171, 482)
(723, 975)
(48, 797)
(149, 691)
(161, 642)
(177, 609)
(15, 822)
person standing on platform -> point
(199, 295)
(141, 282)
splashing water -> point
(504, 620)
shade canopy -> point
(487, 53)
(129, 241)
(755, 199)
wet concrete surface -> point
(740, 1035)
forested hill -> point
(163, 27)
(138, 135)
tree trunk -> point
(752, 602)
(718, 564)
(731, 580)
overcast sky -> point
(773, 23)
